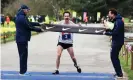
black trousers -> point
(115, 58)
(23, 55)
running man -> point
(65, 41)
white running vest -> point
(66, 37)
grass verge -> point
(126, 68)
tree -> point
(53, 7)
(4, 3)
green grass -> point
(12, 38)
(126, 20)
(8, 39)
(126, 68)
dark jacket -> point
(2, 19)
(24, 27)
(118, 31)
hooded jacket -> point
(118, 31)
(24, 27)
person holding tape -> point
(23, 35)
(117, 34)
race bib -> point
(66, 36)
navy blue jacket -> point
(24, 27)
(118, 31)
(2, 19)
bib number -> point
(66, 36)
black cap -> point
(25, 7)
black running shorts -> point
(65, 45)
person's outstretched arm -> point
(29, 25)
